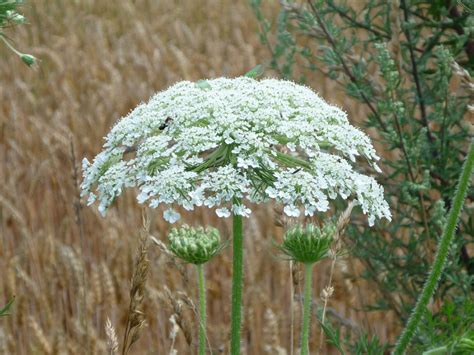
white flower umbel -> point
(222, 142)
(219, 141)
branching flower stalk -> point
(197, 246)
(224, 143)
(441, 255)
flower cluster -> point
(221, 142)
(194, 245)
(307, 244)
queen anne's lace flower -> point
(224, 141)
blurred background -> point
(98, 60)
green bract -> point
(307, 244)
(194, 245)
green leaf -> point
(203, 84)
(4, 310)
(255, 71)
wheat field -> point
(68, 267)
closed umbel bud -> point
(194, 245)
(28, 59)
(308, 244)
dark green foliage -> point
(398, 59)
(353, 342)
(5, 7)
(451, 328)
(442, 252)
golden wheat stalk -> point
(136, 318)
(112, 341)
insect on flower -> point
(165, 124)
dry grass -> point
(99, 59)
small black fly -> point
(166, 123)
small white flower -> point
(171, 215)
(223, 212)
(241, 210)
(291, 211)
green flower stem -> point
(237, 284)
(308, 276)
(441, 255)
(202, 309)
(13, 49)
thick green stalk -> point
(308, 277)
(237, 284)
(441, 255)
(202, 309)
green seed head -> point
(307, 244)
(194, 245)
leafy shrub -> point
(409, 64)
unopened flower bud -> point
(194, 245)
(308, 244)
(28, 59)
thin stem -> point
(202, 309)
(415, 75)
(441, 255)
(308, 276)
(326, 299)
(237, 284)
(345, 67)
(344, 14)
(13, 49)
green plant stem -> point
(441, 255)
(8, 44)
(237, 284)
(308, 276)
(202, 309)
